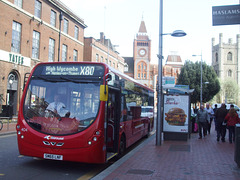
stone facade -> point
(226, 59)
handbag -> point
(224, 123)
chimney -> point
(102, 37)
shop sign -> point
(225, 15)
(14, 58)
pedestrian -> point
(221, 127)
(211, 116)
(202, 118)
(232, 119)
(214, 110)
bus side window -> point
(123, 109)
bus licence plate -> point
(53, 156)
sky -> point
(120, 21)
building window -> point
(113, 64)
(230, 73)
(75, 55)
(64, 52)
(76, 32)
(144, 75)
(97, 57)
(229, 56)
(106, 61)
(18, 3)
(101, 59)
(35, 45)
(126, 67)
(65, 26)
(51, 51)
(16, 37)
(38, 8)
(216, 55)
(53, 18)
(138, 75)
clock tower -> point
(142, 55)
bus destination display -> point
(73, 70)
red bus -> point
(81, 111)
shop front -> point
(13, 67)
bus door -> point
(113, 121)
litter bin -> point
(237, 145)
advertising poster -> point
(175, 114)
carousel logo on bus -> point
(171, 101)
(48, 137)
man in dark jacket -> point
(220, 115)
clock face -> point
(142, 52)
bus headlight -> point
(89, 142)
(95, 139)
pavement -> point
(9, 126)
(198, 159)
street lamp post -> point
(177, 33)
(200, 80)
(59, 39)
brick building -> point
(139, 66)
(172, 67)
(34, 31)
(102, 50)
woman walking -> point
(232, 119)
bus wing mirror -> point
(109, 77)
(103, 92)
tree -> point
(191, 75)
(229, 91)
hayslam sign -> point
(225, 15)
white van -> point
(147, 111)
(228, 107)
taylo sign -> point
(225, 15)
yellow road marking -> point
(89, 175)
(93, 173)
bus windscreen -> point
(56, 106)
